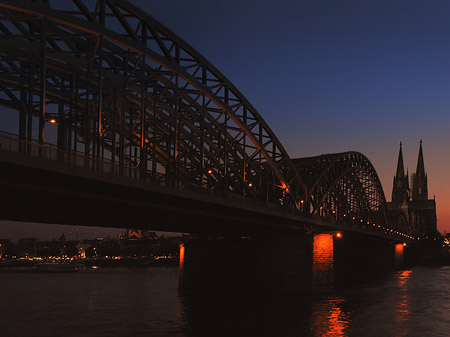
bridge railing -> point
(11, 142)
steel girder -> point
(126, 93)
(122, 87)
(346, 188)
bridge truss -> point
(122, 93)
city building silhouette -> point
(410, 207)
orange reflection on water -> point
(401, 309)
(403, 278)
(329, 318)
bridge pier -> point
(296, 264)
(399, 255)
(359, 257)
(310, 263)
(323, 263)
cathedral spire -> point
(419, 181)
(420, 172)
(400, 186)
(400, 165)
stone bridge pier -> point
(358, 257)
(309, 263)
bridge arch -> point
(119, 91)
(122, 86)
(345, 187)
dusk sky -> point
(334, 76)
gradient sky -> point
(334, 76)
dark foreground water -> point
(146, 302)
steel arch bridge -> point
(117, 91)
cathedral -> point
(410, 207)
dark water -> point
(146, 302)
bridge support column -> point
(323, 263)
(360, 257)
(280, 264)
(399, 257)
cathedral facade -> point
(410, 207)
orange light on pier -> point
(181, 254)
(399, 260)
(322, 272)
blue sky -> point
(333, 76)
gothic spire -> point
(420, 172)
(400, 166)
(400, 186)
(420, 183)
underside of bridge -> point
(104, 86)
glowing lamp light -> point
(339, 235)
(209, 171)
(53, 121)
(250, 184)
(404, 244)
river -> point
(146, 302)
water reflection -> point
(145, 302)
(213, 314)
(329, 318)
(356, 310)
(401, 308)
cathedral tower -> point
(414, 213)
(419, 179)
(400, 187)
